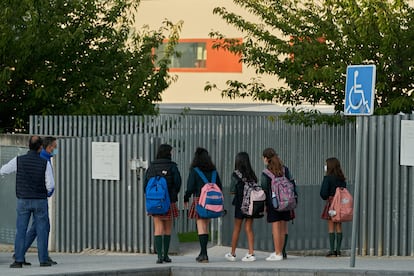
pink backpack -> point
(211, 200)
(342, 206)
(283, 192)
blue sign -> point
(360, 90)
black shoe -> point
(284, 255)
(24, 262)
(159, 261)
(338, 253)
(167, 259)
(49, 260)
(331, 254)
(46, 264)
(16, 265)
(202, 259)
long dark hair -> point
(202, 160)
(242, 164)
(164, 151)
(274, 163)
(333, 167)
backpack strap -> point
(204, 178)
(268, 173)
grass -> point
(191, 236)
(188, 236)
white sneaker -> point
(274, 257)
(230, 257)
(249, 258)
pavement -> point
(96, 262)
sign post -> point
(359, 100)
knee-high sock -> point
(167, 239)
(285, 244)
(203, 238)
(158, 245)
(338, 242)
(332, 241)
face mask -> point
(325, 168)
(54, 152)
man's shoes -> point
(49, 260)
(159, 261)
(46, 264)
(167, 259)
(16, 265)
(24, 262)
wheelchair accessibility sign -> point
(360, 90)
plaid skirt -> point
(192, 213)
(172, 212)
(325, 214)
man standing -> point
(34, 179)
(48, 151)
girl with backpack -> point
(334, 177)
(243, 175)
(195, 183)
(163, 166)
(278, 219)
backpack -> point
(254, 198)
(283, 192)
(211, 200)
(157, 198)
(342, 206)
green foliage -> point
(309, 44)
(78, 57)
(308, 118)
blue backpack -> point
(157, 198)
(210, 203)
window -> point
(197, 55)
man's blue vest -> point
(30, 176)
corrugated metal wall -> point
(386, 189)
(99, 214)
(105, 215)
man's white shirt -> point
(11, 167)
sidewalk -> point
(94, 262)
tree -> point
(78, 57)
(309, 44)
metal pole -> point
(355, 218)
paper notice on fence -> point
(105, 160)
(407, 143)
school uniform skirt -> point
(192, 213)
(172, 212)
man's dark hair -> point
(35, 142)
(48, 140)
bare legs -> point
(279, 230)
(248, 227)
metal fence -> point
(110, 215)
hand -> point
(185, 205)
